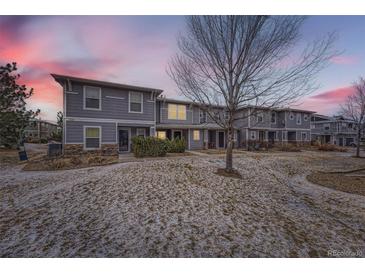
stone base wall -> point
(78, 149)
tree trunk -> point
(358, 141)
(229, 160)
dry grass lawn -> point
(179, 207)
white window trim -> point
(144, 131)
(202, 113)
(177, 112)
(129, 102)
(259, 115)
(300, 119)
(84, 141)
(84, 98)
(305, 117)
(291, 115)
(194, 135)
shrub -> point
(289, 148)
(44, 141)
(176, 145)
(149, 146)
(330, 147)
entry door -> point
(123, 140)
(177, 134)
(221, 139)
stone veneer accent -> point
(77, 149)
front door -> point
(221, 139)
(123, 140)
(177, 134)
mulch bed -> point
(346, 182)
(234, 174)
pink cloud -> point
(327, 102)
(345, 60)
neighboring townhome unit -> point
(184, 119)
(38, 130)
(103, 116)
(273, 126)
(333, 130)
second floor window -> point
(176, 112)
(259, 118)
(326, 126)
(203, 116)
(135, 101)
(92, 98)
(273, 117)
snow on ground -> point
(178, 207)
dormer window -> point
(92, 98)
(135, 102)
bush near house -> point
(155, 147)
(176, 146)
(149, 146)
(330, 147)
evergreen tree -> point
(14, 116)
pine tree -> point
(14, 116)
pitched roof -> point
(60, 77)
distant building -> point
(40, 129)
(335, 130)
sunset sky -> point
(135, 50)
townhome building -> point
(335, 130)
(273, 126)
(103, 116)
(38, 130)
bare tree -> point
(354, 109)
(238, 61)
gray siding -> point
(293, 123)
(196, 144)
(111, 108)
(75, 131)
(163, 117)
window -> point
(196, 135)
(259, 118)
(161, 135)
(141, 132)
(326, 126)
(291, 116)
(350, 125)
(92, 138)
(299, 119)
(203, 116)
(135, 102)
(176, 112)
(253, 135)
(305, 117)
(92, 98)
(273, 117)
